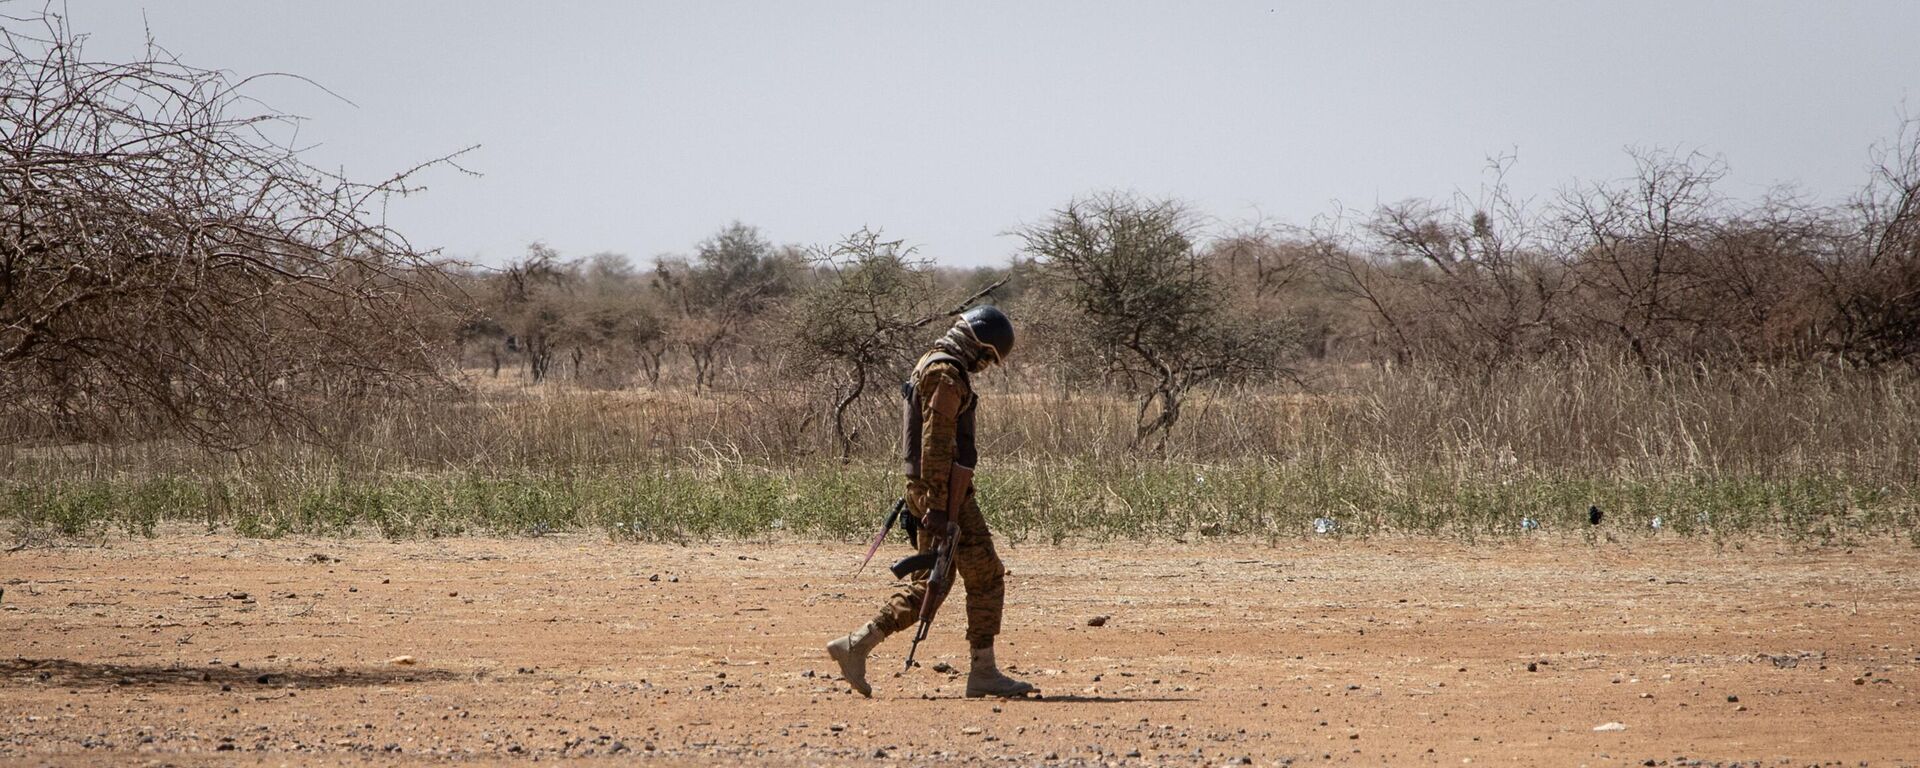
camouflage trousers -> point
(979, 568)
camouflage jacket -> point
(936, 425)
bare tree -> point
(169, 264)
(1871, 281)
(1636, 247)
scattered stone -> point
(404, 661)
(1732, 699)
(1098, 621)
(1859, 681)
(655, 577)
(263, 679)
(971, 730)
(1533, 666)
(1605, 727)
(943, 668)
(237, 595)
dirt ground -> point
(217, 650)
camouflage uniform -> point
(946, 443)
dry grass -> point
(1809, 451)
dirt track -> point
(193, 650)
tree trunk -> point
(840, 415)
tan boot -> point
(985, 679)
(851, 651)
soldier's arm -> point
(939, 421)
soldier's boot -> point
(851, 652)
(985, 678)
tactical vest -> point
(964, 452)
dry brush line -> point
(169, 264)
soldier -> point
(937, 438)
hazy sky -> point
(643, 127)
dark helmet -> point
(992, 328)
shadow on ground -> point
(64, 672)
(1071, 699)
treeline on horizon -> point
(1658, 271)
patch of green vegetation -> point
(1045, 502)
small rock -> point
(1098, 621)
(1859, 681)
(943, 668)
(404, 661)
(971, 730)
(1604, 727)
(1731, 699)
(655, 577)
(237, 595)
(1533, 666)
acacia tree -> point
(735, 276)
(170, 265)
(533, 304)
(861, 322)
(857, 323)
(1128, 270)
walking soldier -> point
(938, 441)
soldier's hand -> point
(936, 521)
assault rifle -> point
(939, 582)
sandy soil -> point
(196, 650)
